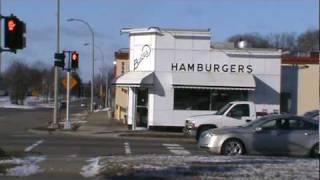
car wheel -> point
(232, 147)
(201, 130)
(315, 151)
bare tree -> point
(18, 79)
(284, 41)
(309, 41)
(255, 40)
(103, 83)
(305, 42)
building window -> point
(191, 99)
(220, 97)
(200, 99)
(122, 68)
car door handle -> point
(248, 120)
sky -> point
(107, 17)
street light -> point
(102, 55)
(92, 46)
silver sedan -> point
(273, 135)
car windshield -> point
(222, 110)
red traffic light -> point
(75, 56)
(11, 25)
(74, 60)
(14, 31)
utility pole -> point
(106, 98)
(0, 36)
(56, 71)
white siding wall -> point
(136, 44)
(167, 50)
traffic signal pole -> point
(67, 124)
(72, 64)
(0, 35)
(56, 71)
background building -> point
(121, 93)
(300, 84)
(176, 73)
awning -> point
(135, 79)
(207, 80)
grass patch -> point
(4, 155)
(118, 170)
(5, 167)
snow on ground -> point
(22, 167)
(100, 110)
(30, 102)
(92, 169)
(5, 103)
(204, 167)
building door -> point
(142, 107)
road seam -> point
(127, 148)
(28, 149)
(176, 149)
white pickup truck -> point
(235, 113)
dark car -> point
(314, 114)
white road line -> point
(171, 145)
(23, 135)
(33, 146)
(176, 149)
(180, 152)
(127, 148)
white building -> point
(175, 73)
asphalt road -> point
(65, 156)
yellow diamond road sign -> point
(73, 82)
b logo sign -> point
(145, 52)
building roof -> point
(122, 54)
(299, 60)
(173, 31)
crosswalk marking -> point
(171, 145)
(29, 148)
(127, 148)
(176, 149)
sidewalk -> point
(97, 124)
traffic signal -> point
(14, 33)
(59, 59)
(74, 60)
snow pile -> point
(23, 167)
(92, 169)
(204, 167)
(5, 103)
(29, 103)
(102, 110)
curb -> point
(119, 135)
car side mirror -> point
(258, 129)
